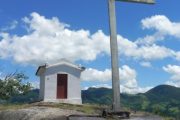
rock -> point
(37, 113)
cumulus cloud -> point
(1, 76)
(49, 39)
(174, 70)
(127, 75)
(134, 90)
(145, 64)
(91, 74)
(35, 84)
(177, 55)
(162, 27)
(150, 39)
(99, 86)
(127, 79)
(12, 26)
(162, 24)
(153, 52)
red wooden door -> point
(62, 86)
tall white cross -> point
(114, 50)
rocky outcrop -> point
(37, 113)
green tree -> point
(13, 84)
(145, 105)
(158, 109)
(175, 111)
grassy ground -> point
(88, 109)
(85, 108)
(13, 106)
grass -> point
(87, 109)
(169, 118)
(13, 106)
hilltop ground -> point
(45, 111)
(51, 111)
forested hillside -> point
(163, 100)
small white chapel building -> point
(60, 82)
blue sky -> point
(34, 32)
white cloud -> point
(172, 83)
(153, 52)
(49, 40)
(1, 76)
(127, 75)
(134, 90)
(174, 70)
(127, 79)
(91, 74)
(177, 55)
(123, 89)
(144, 52)
(99, 86)
(35, 84)
(162, 24)
(145, 64)
(147, 48)
(150, 39)
(12, 26)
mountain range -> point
(163, 100)
(162, 93)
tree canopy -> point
(13, 84)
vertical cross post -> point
(114, 56)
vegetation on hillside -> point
(162, 100)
